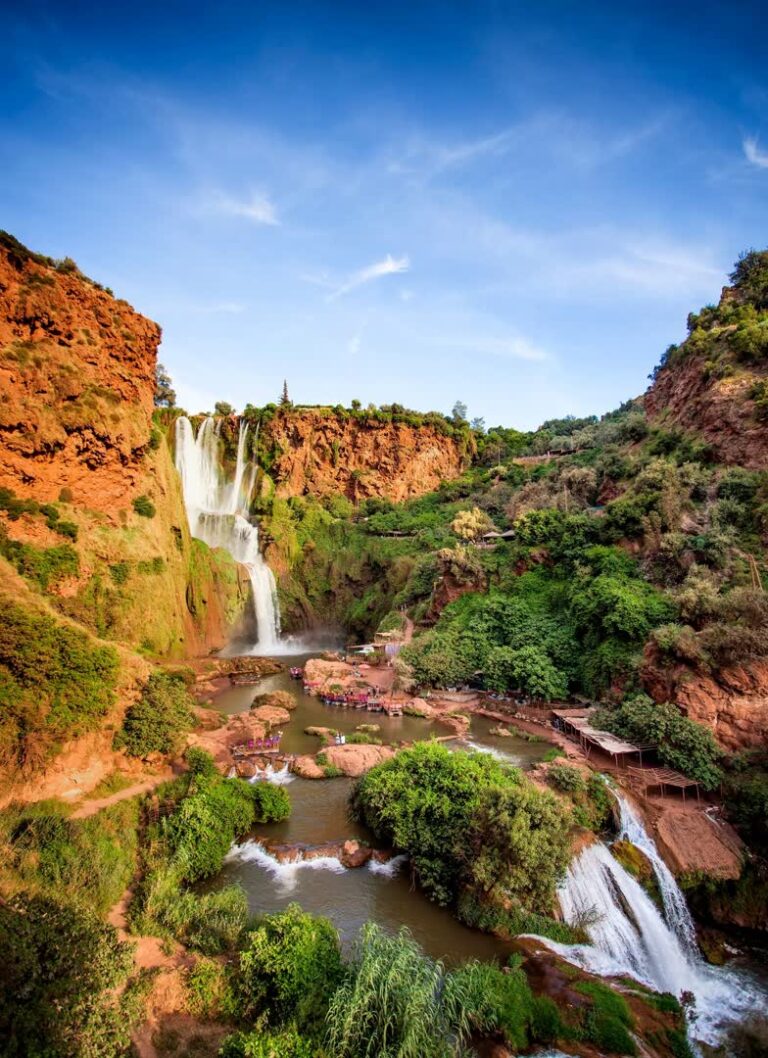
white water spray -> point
(629, 936)
(217, 511)
(280, 777)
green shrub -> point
(45, 566)
(144, 507)
(55, 682)
(206, 823)
(88, 861)
(120, 571)
(284, 1044)
(682, 743)
(465, 818)
(288, 969)
(61, 971)
(566, 778)
(209, 991)
(160, 718)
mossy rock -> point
(636, 863)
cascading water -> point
(630, 936)
(217, 511)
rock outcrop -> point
(732, 702)
(708, 389)
(77, 375)
(323, 453)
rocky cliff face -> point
(732, 702)
(77, 370)
(322, 453)
(709, 384)
(77, 380)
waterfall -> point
(217, 511)
(630, 936)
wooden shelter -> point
(576, 722)
(648, 778)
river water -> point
(351, 897)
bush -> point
(144, 507)
(465, 818)
(158, 721)
(285, 1044)
(55, 682)
(60, 975)
(682, 744)
(88, 861)
(566, 778)
(207, 822)
(288, 969)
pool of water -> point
(352, 897)
(311, 712)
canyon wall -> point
(321, 452)
(77, 377)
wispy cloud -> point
(388, 267)
(753, 154)
(258, 208)
(515, 347)
(353, 345)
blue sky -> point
(511, 204)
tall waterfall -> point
(217, 510)
(630, 936)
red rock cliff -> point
(709, 393)
(77, 376)
(322, 453)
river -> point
(351, 897)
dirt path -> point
(90, 808)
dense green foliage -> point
(157, 722)
(289, 967)
(87, 861)
(55, 683)
(681, 743)
(60, 967)
(190, 844)
(466, 820)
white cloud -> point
(353, 345)
(753, 153)
(257, 208)
(388, 267)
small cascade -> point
(280, 777)
(630, 936)
(217, 511)
(675, 907)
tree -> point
(223, 408)
(471, 525)
(61, 970)
(459, 412)
(158, 721)
(289, 967)
(285, 400)
(478, 425)
(356, 405)
(165, 394)
(528, 669)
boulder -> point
(353, 854)
(279, 699)
(355, 760)
(271, 715)
(307, 767)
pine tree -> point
(285, 399)
(165, 395)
